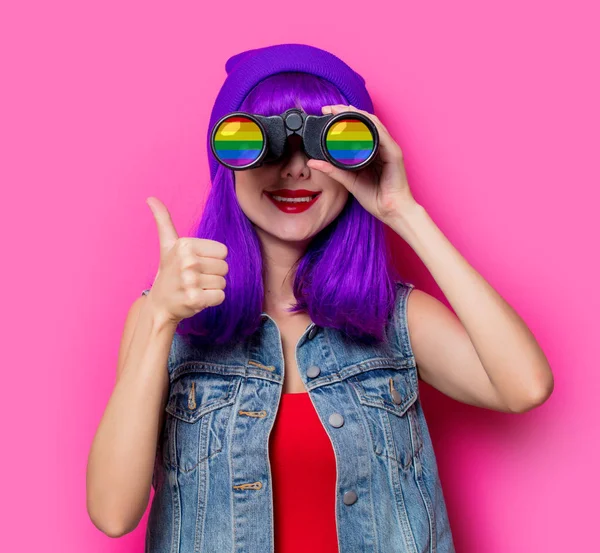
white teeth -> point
(293, 200)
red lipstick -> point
(287, 193)
(309, 197)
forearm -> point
(507, 349)
(121, 460)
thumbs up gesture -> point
(191, 272)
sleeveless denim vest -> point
(212, 474)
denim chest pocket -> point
(198, 410)
(388, 399)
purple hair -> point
(345, 279)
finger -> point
(205, 247)
(390, 151)
(346, 178)
(340, 107)
(167, 234)
(212, 266)
(212, 282)
(380, 127)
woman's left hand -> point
(381, 187)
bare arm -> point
(121, 459)
(485, 355)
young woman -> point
(267, 382)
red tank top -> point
(303, 471)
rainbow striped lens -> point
(349, 141)
(238, 141)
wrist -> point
(161, 320)
(404, 215)
(409, 223)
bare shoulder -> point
(431, 324)
(422, 307)
(130, 322)
(435, 332)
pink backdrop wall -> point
(496, 108)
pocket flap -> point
(392, 389)
(193, 395)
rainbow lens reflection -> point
(349, 141)
(238, 141)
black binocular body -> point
(347, 140)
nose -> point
(293, 164)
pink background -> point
(107, 103)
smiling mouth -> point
(303, 199)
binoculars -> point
(347, 140)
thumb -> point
(167, 234)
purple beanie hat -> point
(246, 69)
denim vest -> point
(212, 475)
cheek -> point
(249, 195)
(254, 180)
(338, 204)
(340, 195)
(243, 185)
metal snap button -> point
(336, 420)
(350, 497)
(313, 371)
(312, 332)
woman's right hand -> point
(191, 271)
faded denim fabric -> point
(212, 475)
